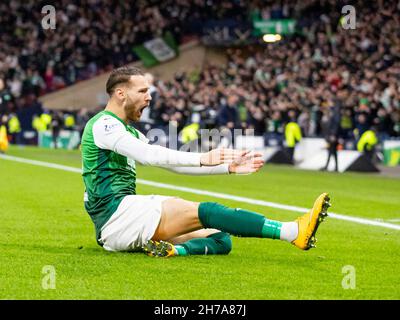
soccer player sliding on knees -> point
(160, 225)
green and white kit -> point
(110, 148)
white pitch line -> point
(41, 163)
(214, 194)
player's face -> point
(137, 97)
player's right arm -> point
(109, 133)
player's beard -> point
(131, 111)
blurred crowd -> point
(90, 36)
(328, 79)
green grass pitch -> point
(43, 223)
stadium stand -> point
(335, 80)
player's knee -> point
(224, 242)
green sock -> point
(272, 229)
(238, 222)
(182, 251)
(217, 243)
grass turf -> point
(44, 223)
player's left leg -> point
(200, 242)
(180, 217)
(202, 233)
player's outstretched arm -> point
(200, 171)
(221, 155)
(248, 162)
(111, 134)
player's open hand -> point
(248, 162)
(219, 156)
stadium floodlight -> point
(272, 37)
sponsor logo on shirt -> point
(109, 127)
